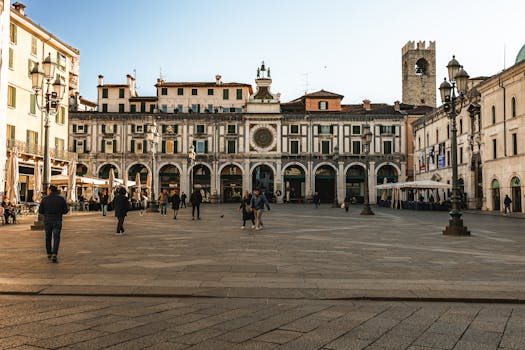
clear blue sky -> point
(349, 47)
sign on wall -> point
(442, 161)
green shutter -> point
(74, 146)
(144, 146)
(56, 144)
(14, 97)
(103, 147)
(164, 128)
(74, 127)
(10, 63)
(132, 150)
(114, 128)
(206, 146)
(331, 129)
(132, 128)
(114, 146)
(175, 146)
(103, 128)
(32, 104)
(145, 128)
(176, 129)
(163, 146)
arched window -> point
(493, 114)
(513, 106)
(437, 136)
(421, 67)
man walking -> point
(121, 206)
(183, 198)
(163, 202)
(196, 200)
(53, 207)
(258, 202)
(104, 200)
(175, 203)
(507, 202)
(317, 200)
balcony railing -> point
(38, 151)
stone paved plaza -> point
(312, 279)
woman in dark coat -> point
(247, 212)
(121, 205)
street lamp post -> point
(453, 104)
(366, 138)
(51, 91)
(153, 137)
(335, 158)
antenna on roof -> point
(161, 76)
(305, 83)
(135, 77)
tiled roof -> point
(323, 94)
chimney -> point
(100, 80)
(20, 8)
(366, 105)
(129, 80)
(218, 80)
(397, 106)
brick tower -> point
(419, 73)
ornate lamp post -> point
(49, 90)
(452, 104)
(153, 136)
(335, 157)
(366, 138)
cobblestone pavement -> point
(53, 322)
(301, 253)
(312, 279)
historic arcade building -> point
(242, 139)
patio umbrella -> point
(37, 186)
(110, 184)
(138, 189)
(72, 182)
(148, 185)
(12, 177)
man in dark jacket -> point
(104, 201)
(196, 200)
(183, 200)
(316, 200)
(175, 203)
(52, 208)
(258, 203)
(507, 202)
(121, 206)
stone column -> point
(309, 178)
(215, 179)
(403, 175)
(246, 176)
(184, 183)
(278, 181)
(372, 183)
(341, 182)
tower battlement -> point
(420, 45)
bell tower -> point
(419, 73)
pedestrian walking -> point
(183, 199)
(257, 204)
(143, 205)
(507, 202)
(175, 203)
(347, 203)
(52, 208)
(104, 201)
(121, 206)
(196, 200)
(317, 200)
(247, 211)
(164, 198)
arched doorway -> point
(325, 182)
(355, 183)
(263, 179)
(495, 195)
(515, 185)
(169, 176)
(103, 173)
(387, 172)
(140, 169)
(82, 169)
(231, 184)
(201, 179)
(294, 184)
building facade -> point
(503, 141)
(290, 149)
(4, 59)
(28, 44)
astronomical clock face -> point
(263, 138)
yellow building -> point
(27, 44)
